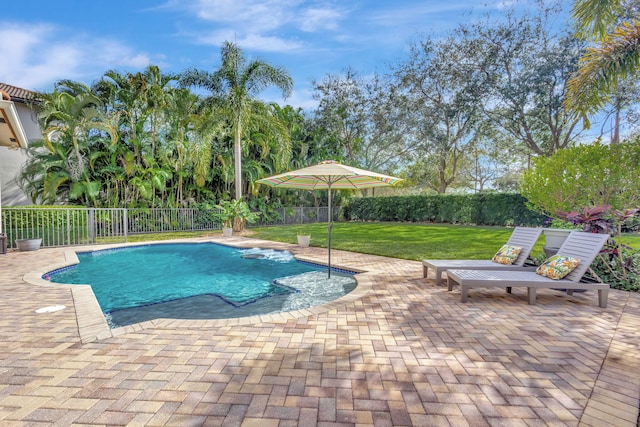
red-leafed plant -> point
(617, 264)
(594, 220)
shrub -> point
(587, 175)
(482, 208)
(617, 264)
(235, 213)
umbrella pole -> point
(329, 231)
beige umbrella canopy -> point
(330, 175)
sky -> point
(43, 41)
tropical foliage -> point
(235, 213)
(617, 264)
(614, 28)
(469, 111)
(142, 140)
(77, 133)
(248, 120)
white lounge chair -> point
(524, 237)
(584, 246)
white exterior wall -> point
(11, 161)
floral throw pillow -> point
(507, 254)
(558, 266)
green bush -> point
(584, 176)
(506, 209)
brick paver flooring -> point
(399, 351)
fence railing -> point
(83, 226)
(299, 215)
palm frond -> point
(601, 68)
(593, 18)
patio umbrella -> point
(330, 175)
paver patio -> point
(398, 351)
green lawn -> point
(396, 240)
(408, 241)
(156, 236)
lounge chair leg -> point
(569, 292)
(463, 295)
(425, 271)
(450, 284)
(603, 297)
(438, 277)
(531, 293)
(508, 289)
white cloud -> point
(115, 55)
(422, 13)
(37, 55)
(258, 15)
(320, 19)
(268, 44)
(269, 26)
(30, 62)
(250, 41)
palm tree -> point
(45, 176)
(614, 57)
(154, 119)
(71, 117)
(233, 88)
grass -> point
(395, 240)
(157, 236)
(407, 240)
(400, 240)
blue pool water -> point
(199, 281)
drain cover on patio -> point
(50, 309)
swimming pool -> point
(199, 281)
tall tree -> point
(621, 112)
(525, 66)
(443, 105)
(362, 119)
(186, 148)
(614, 27)
(294, 122)
(492, 160)
(233, 89)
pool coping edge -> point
(93, 326)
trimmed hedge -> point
(505, 209)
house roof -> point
(15, 93)
(12, 133)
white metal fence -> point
(82, 226)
